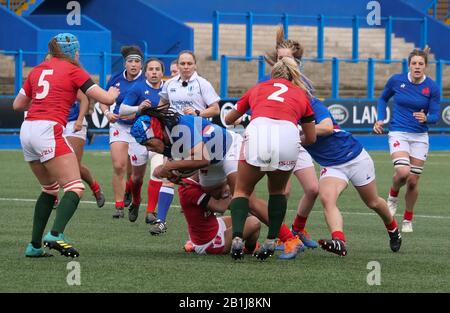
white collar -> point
(410, 79)
(137, 76)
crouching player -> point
(209, 234)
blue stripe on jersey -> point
(74, 111)
(335, 149)
(119, 81)
(191, 130)
(409, 98)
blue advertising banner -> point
(354, 115)
(361, 114)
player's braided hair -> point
(422, 53)
(164, 114)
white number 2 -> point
(276, 95)
(43, 83)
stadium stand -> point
(164, 30)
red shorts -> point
(216, 245)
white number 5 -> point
(45, 84)
(276, 95)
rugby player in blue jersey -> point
(119, 131)
(145, 94)
(342, 158)
(416, 105)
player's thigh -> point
(119, 154)
(247, 177)
(277, 181)
(368, 193)
(308, 179)
(77, 146)
(330, 189)
(42, 174)
(64, 168)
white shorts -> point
(360, 171)
(216, 245)
(43, 140)
(120, 132)
(217, 173)
(68, 131)
(415, 144)
(304, 160)
(271, 144)
(138, 154)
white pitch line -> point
(177, 206)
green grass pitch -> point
(119, 256)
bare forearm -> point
(84, 106)
(211, 111)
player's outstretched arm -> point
(103, 96)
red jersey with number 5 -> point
(53, 87)
(277, 99)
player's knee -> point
(326, 199)
(119, 167)
(402, 167)
(412, 182)
(374, 203)
(76, 186)
(51, 189)
(311, 191)
(137, 179)
(254, 223)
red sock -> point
(338, 235)
(393, 193)
(408, 215)
(128, 185)
(392, 226)
(284, 233)
(153, 194)
(119, 204)
(95, 187)
(136, 191)
(299, 223)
